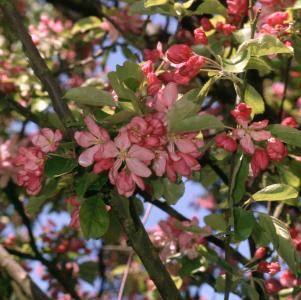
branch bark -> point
(37, 63)
(139, 240)
(20, 277)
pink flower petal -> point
(185, 145)
(247, 144)
(85, 139)
(259, 125)
(261, 135)
(137, 167)
(87, 157)
(141, 153)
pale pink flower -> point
(248, 134)
(166, 97)
(96, 140)
(47, 140)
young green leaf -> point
(90, 95)
(275, 192)
(197, 123)
(216, 222)
(239, 188)
(288, 135)
(172, 192)
(150, 3)
(244, 222)
(254, 100)
(211, 7)
(57, 166)
(94, 218)
(281, 240)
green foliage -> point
(244, 222)
(288, 135)
(254, 100)
(275, 192)
(88, 271)
(57, 166)
(241, 178)
(150, 3)
(211, 7)
(86, 24)
(94, 219)
(216, 221)
(281, 240)
(172, 192)
(90, 95)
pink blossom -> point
(222, 140)
(259, 162)
(179, 53)
(248, 134)
(276, 149)
(237, 7)
(242, 114)
(135, 158)
(97, 140)
(260, 252)
(192, 67)
(290, 122)
(31, 162)
(200, 36)
(166, 97)
(206, 24)
(47, 140)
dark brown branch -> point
(37, 63)
(139, 240)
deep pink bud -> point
(242, 113)
(151, 54)
(259, 162)
(192, 67)
(154, 84)
(200, 36)
(272, 286)
(277, 18)
(274, 268)
(179, 53)
(206, 24)
(224, 141)
(290, 122)
(260, 252)
(147, 67)
(276, 149)
(263, 267)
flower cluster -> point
(172, 237)
(31, 160)
(142, 147)
(247, 133)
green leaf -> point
(254, 100)
(244, 222)
(237, 63)
(83, 184)
(250, 291)
(275, 192)
(172, 192)
(240, 182)
(86, 24)
(189, 266)
(216, 222)
(265, 45)
(197, 123)
(150, 3)
(211, 7)
(57, 166)
(288, 135)
(88, 271)
(281, 240)
(119, 117)
(94, 218)
(90, 95)
(181, 110)
(243, 34)
(260, 64)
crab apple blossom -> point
(222, 140)
(47, 140)
(259, 161)
(290, 122)
(206, 24)
(178, 53)
(260, 252)
(276, 150)
(96, 140)
(200, 36)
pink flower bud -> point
(242, 113)
(206, 24)
(276, 149)
(224, 141)
(192, 67)
(290, 122)
(260, 252)
(179, 53)
(259, 162)
(200, 36)
(277, 18)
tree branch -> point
(139, 240)
(20, 277)
(37, 63)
